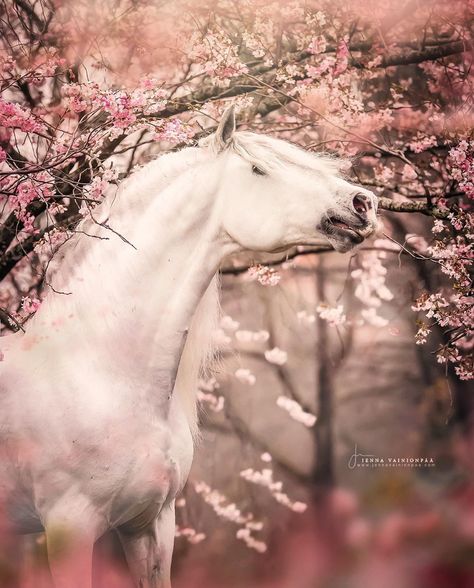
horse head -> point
(276, 195)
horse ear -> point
(226, 128)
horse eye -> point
(259, 172)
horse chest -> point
(125, 462)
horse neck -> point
(131, 307)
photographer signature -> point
(352, 463)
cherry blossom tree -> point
(89, 91)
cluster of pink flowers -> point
(15, 116)
(218, 55)
(452, 312)
(172, 131)
(422, 142)
(334, 315)
(342, 56)
(296, 411)
(214, 403)
(190, 534)
(318, 45)
(462, 166)
(206, 394)
(228, 324)
(30, 305)
(265, 478)
(228, 511)
(371, 288)
(50, 242)
(455, 314)
(128, 110)
(276, 356)
(34, 187)
(245, 376)
(265, 275)
(305, 317)
(244, 336)
(121, 106)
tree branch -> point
(421, 207)
(431, 54)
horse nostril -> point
(362, 204)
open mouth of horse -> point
(337, 226)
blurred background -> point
(371, 388)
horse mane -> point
(120, 212)
(199, 353)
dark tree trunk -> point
(323, 474)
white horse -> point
(98, 404)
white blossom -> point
(333, 315)
(228, 324)
(265, 478)
(304, 317)
(252, 336)
(296, 411)
(245, 376)
(371, 317)
(276, 356)
(190, 534)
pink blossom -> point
(344, 502)
(173, 131)
(14, 116)
(462, 169)
(30, 305)
(422, 333)
(228, 511)
(371, 289)
(252, 543)
(304, 317)
(190, 534)
(245, 376)
(342, 56)
(370, 316)
(317, 45)
(423, 143)
(333, 315)
(228, 323)
(408, 173)
(438, 226)
(208, 385)
(265, 478)
(220, 338)
(97, 188)
(296, 411)
(267, 276)
(276, 356)
(244, 336)
(214, 403)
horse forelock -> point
(269, 153)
